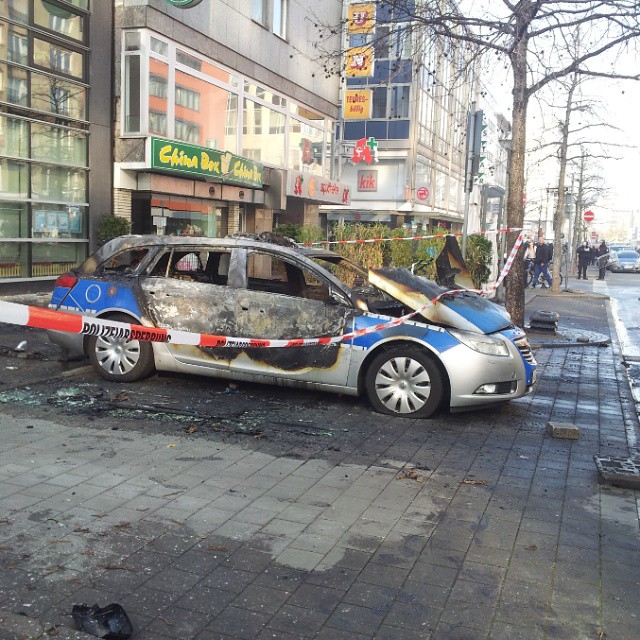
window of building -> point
(187, 98)
(13, 85)
(187, 131)
(56, 58)
(18, 10)
(132, 97)
(159, 47)
(158, 123)
(259, 11)
(399, 102)
(188, 60)
(379, 104)
(59, 20)
(17, 43)
(157, 86)
(57, 144)
(280, 10)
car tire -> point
(404, 381)
(119, 359)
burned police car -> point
(459, 352)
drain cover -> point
(621, 472)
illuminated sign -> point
(365, 151)
(359, 62)
(361, 18)
(357, 105)
(180, 157)
(183, 4)
(367, 180)
(317, 188)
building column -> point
(233, 225)
(122, 203)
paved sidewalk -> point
(467, 526)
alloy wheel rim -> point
(403, 385)
(117, 356)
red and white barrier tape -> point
(27, 316)
(376, 240)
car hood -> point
(467, 311)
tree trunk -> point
(514, 283)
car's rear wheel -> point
(120, 359)
(404, 381)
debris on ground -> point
(478, 483)
(110, 622)
(410, 474)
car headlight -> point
(482, 344)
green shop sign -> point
(180, 157)
(184, 4)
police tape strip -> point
(376, 240)
(28, 316)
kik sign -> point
(180, 157)
(184, 4)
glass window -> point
(158, 46)
(14, 259)
(58, 183)
(399, 107)
(126, 261)
(264, 94)
(207, 126)
(56, 58)
(305, 147)
(56, 258)
(14, 178)
(187, 98)
(158, 123)
(257, 143)
(55, 18)
(188, 131)
(57, 96)
(158, 93)
(58, 145)
(381, 43)
(379, 106)
(187, 59)
(157, 86)
(280, 10)
(14, 137)
(132, 93)
(18, 10)
(13, 85)
(17, 43)
(189, 217)
(58, 221)
(259, 10)
(13, 220)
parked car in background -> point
(463, 351)
(627, 260)
(613, 256)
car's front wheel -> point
(120, 359)
(404, 381)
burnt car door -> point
(192, 289)
(287, 299)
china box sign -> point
(357, 105)
(306, 185)
(180, 157)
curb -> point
(18, 627)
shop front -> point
(185, 189)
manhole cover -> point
(621, 472)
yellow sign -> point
(357, 105)
(361, 18)
(359, 62)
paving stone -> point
(239, 623)
(298, 620)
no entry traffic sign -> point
(589, 216)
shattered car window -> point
(210, 267)
(124, 262)
(271, 273)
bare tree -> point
(528, 36)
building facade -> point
(55, 134)
(410, 101)
(224, 119)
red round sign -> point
(422, 193)
(589, 216)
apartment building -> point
(224, 118)
(55, 134)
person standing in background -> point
(602, 258)
(544, 255)
(584, 258)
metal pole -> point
(468, 186)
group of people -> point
(590, 254)
(540, 255)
